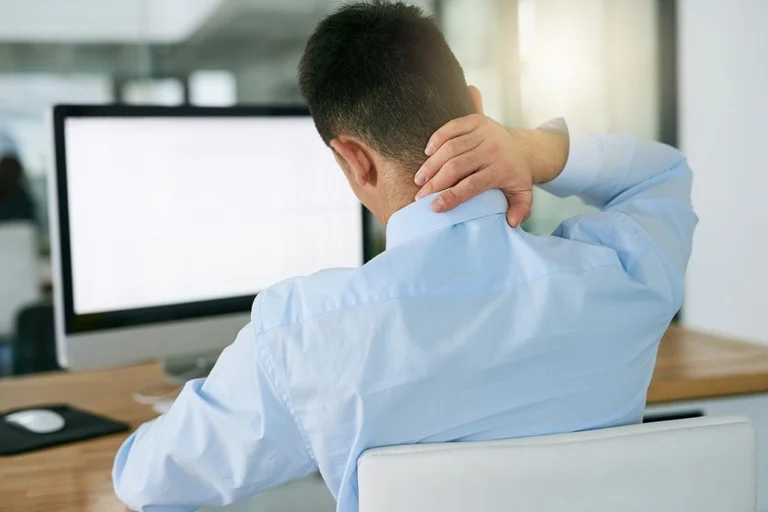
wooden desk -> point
(692, 365)
(76, 477)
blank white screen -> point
(173, 210)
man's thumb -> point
(519, 207)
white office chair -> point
(702, 465)
(19, 272)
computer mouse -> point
(37, 421)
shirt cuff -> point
(584, 160)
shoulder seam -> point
(269, 367)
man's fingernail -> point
(430, 148)
(419, 178)
(438, 204)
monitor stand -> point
(176, 372)
(183, 368)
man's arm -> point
(225, 438)
(642, 189)
(643, 192)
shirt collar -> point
(417, 219)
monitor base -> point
(183, 368)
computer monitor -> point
(166, 222)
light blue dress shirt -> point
(464, 329)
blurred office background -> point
(691, 73)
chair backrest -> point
(702, 464)
(19, 271)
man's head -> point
(379, 79)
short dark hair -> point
(382, 72)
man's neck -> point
(398, 195)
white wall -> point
(724, 132)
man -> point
(465, 328)
(15, 202)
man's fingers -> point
(452, 129)
(516, 215)
(447, 151)
(451, 173)
(466, 189)
(519, 207)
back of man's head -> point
(383, 73)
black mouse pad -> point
(78, 426)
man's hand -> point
(470, 155)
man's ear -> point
(477, 99)
(354, 158)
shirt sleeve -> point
(643, 192)
(226, 437)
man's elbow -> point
(129, 494)
(132, 476)
(127, 488)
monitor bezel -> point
(75, 323)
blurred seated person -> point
(15, 201)
(466, 328)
